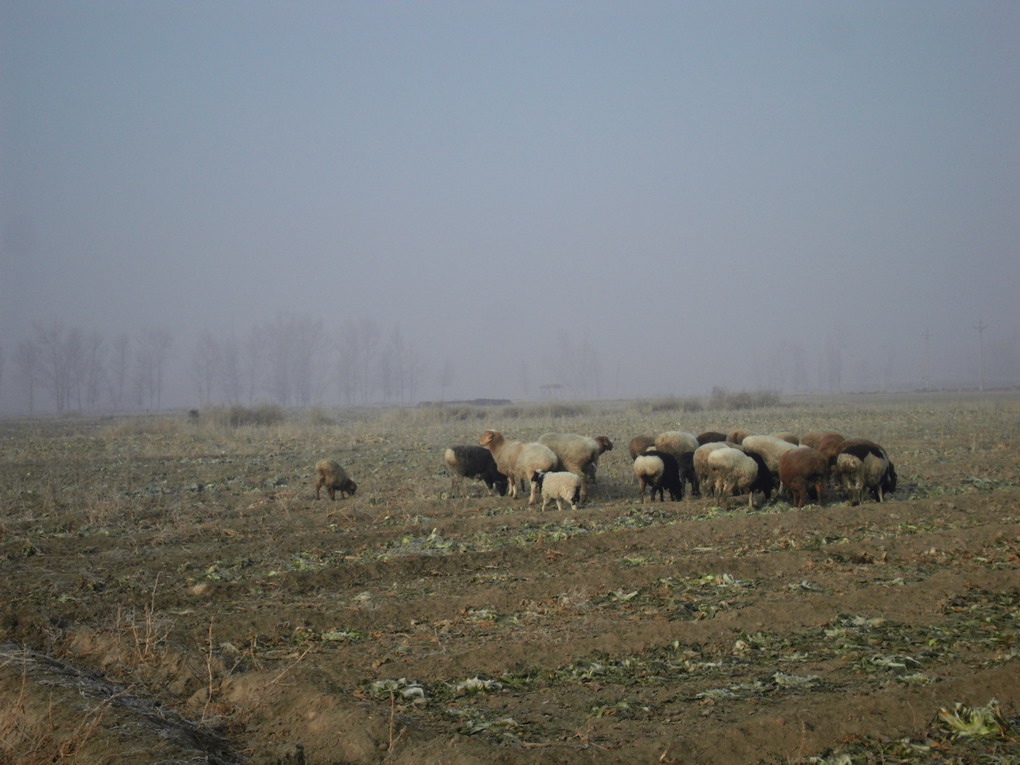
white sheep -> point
(787, 436)
(701, 469)
(863, 465)
(563, 486)
(732, 472)
(519, 459)
(648, 469)
(577, 454)
(770, 448)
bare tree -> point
(252, 362)
(291, 345)
(446, 376)
(358, 351)
(154, 347)
(205, 362)
(230, 373)
(55, 349)
(399, 369)
(26, 360)
(120, 364)
(837, 343)
(575, 366)
(90, 365)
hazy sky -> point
(683, 185)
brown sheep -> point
(830, 445)
(802, 469)
(334, 478)
(814, 437)
(639, 445)
(738, 436)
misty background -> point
(323, 203)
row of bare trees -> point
(292, 361)
(80, 371)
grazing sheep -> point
(649, 470)
(329, 474)
(639, 445)
(562, 486)
(802, 469)
(813, 437)
(770, 448)
(474, 462)
(670, 479)
(788, 437)
(733, 472)
(863, 465)
(710, 437)
(764, 482)
(700, 461)
(829, 445)
(519, 459)
(578, 454)
(681, 445)
(738, 436)
(592, 469)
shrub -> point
(239, 415)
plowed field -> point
(173, 592)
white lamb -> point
(562, 486)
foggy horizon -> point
(625, 200)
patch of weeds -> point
(897, 664)
(626, 708)
(401, 689)
(488, 615)
(984, 484)
(475, 685)
(959, 735)
(341, 636)
(975, 722)
(634, 561)
(432, 544)
(504, 729)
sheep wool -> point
(562, 486)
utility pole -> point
(981, 327)
(927, 359)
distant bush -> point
(670, 404)
(436, 414)
(724, 399)
(239, 415)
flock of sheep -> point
(562, 466)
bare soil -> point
(173, 592)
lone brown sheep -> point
(334, 478)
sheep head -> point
(491, 439)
